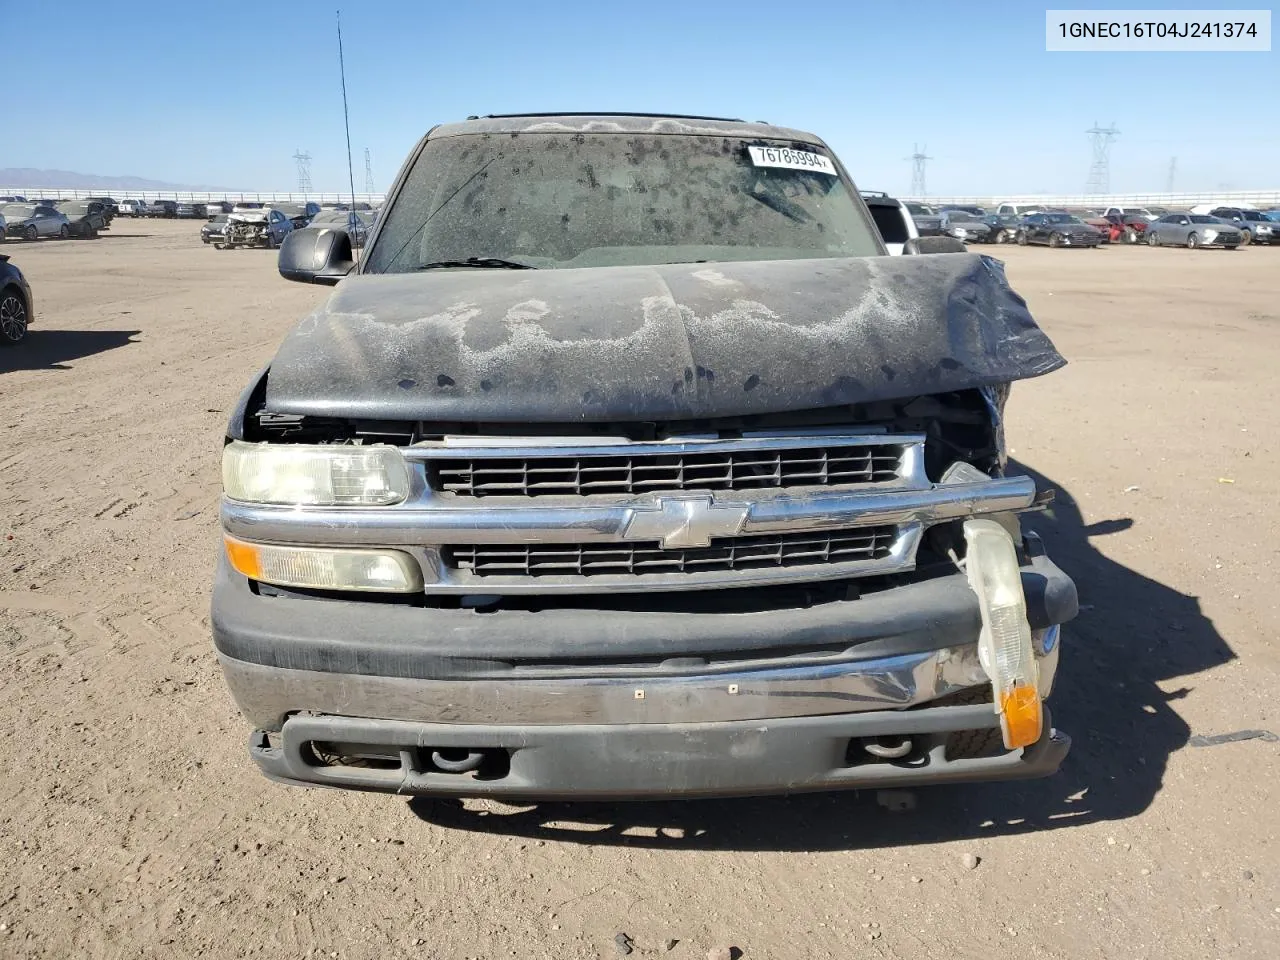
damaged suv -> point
(626, 464)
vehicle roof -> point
(619, 123)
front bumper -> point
(654, 760)
(580, 703)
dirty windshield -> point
(588, 200)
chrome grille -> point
(638, 559)
(584, 474)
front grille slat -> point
(619, 474)
(639, 559)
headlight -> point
(314, 476)
(1210, 235)
(961, 232)
(379, 571)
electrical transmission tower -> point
(1173, 169)
(368, 172)
(304, 170)
(918, 159)
(1099, 181)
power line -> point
(304, 170)
(918, 159)
(368, 172)
(1099, 181)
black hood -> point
(670, 342)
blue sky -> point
(222, 93)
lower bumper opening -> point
(339, 756)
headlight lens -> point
(314, 476)
(380, 571)
(1004, 643)
(1211, 235)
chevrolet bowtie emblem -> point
(685, 521)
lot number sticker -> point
(791, 159)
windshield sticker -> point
(791, 159)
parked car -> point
(1109, 231)
(1254, 225)
(241, 206)
(1058, 230)
(1193, 230)
(16, 307)
(162, 208)
(1127, 211)
(13, 198)
(359, 205)
(299, 213)
(965, 226)
(967, 208)
(1130, 227)
(86, 217)
(30, 221)
(190, 211)
(1018, 210)
(357, 224)
(214, 207)
(738, 281)
(132, 208)
(214, 228)
(110, 207)
(1003, 227)
(254, 228)
(928, 221)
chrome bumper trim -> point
(557, 522)
(266, 695)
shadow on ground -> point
(55, 349)
(1132, 633)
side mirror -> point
(917, 245)
(316, 255)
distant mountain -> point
(67, 180)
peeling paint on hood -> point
(672, 341)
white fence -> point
(184, 196)
(1224, 198)
(1229, 198)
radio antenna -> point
(346, 122)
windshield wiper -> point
(492, 262)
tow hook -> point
(884, 751)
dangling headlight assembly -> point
(1004, 645)
(314, 476)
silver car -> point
(30, 221)
(965, 226)
(1192, 230)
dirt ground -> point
(132, 823)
